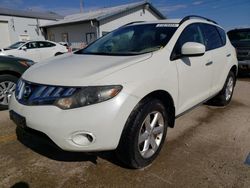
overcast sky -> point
(228, 13)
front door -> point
(195, 73)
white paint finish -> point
(128, 17)
(187, 80)
(58, 124)
(193, 48)
(36, 54)
(76, 32)
(20, 26)
(5, 37)
(95, 68)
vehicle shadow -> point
(51, 151)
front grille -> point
(28, 93)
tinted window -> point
(222, 35)
(213, 39)
(191, 33)
(45, 44)
(239, 35)
(31, 45)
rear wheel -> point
(7, 87)
(225, 96)
(143, 135)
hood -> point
(79, 70)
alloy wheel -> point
(150, 135)
(229, 88)
(6, 90)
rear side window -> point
(222, 35)
(31, 45)
(213, 39)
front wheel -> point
(143, 135)
(7, 87)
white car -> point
(124, 90)
(34, 50)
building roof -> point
(104, 13)
(30, 14)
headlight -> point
(26, 63)
(87, 96)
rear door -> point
(195, 76)
(215, 42)
(47, 49)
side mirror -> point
(24, 48)
(191, 49)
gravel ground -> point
(207, 148)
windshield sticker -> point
(167, 25)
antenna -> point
(81, 6)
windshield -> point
(132, 40)
(16, 45)
(243, 35)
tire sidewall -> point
(152, 106)
(231, 74)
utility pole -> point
(81, 6)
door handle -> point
(209, 63)
(228, 55)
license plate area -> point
(18, 119)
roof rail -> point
(195, 16)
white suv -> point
(124, 90)
(35, 50)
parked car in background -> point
(66, 44)
(124, 90)
(34, 50)
(11, 69)
(240, 39)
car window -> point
(31, 45)
(222, 35)
(212, 37)
(239, 35)
(132, 40)
(16, 45)
(191, 33)
(45, 44)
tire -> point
(226, 94)
(129, 151)
(4, 81)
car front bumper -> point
(104, 122)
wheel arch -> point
(234, 69)
(167, 101)
(9, 72)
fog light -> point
(83, 139)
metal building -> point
(18, 25)
(85, 27)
